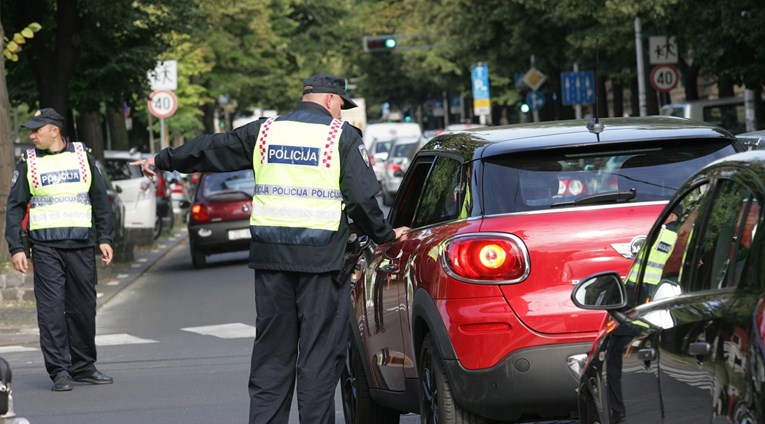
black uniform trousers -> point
(65, 291)
(301, 332)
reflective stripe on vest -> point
(60, 205)
(288, 155)
(659, 255)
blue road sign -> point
(480, 74)
(535, 100)
(578, 88)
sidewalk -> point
(18, 320)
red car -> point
(219, 217)
(468, 317)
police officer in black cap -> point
(69, 214)
(312, 173)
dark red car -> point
(468, 317)
(219, 217)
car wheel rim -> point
(429, 391)
(349, 388)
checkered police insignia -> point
(364, 154)
(15, 178)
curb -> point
(112, 279)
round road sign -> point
(162, 103)
(664, 78)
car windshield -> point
(403, 150)
(120, 169)
(225, 183)
(548, 179)
(380, 147)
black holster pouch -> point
(353, 251)
(5, 385)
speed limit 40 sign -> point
(162, 103)
(664, 78)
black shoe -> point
(96, 377)
(62, 383)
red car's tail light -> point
(492, 258)
(199, 213)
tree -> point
(6, 150)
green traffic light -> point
(390, 43)
(525, 108)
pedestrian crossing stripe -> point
(8, 349)
(235, 330)
(224, 331)
(120, 339)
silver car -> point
(396, 164)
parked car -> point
(685, 341)
(219, 218)
(164, 205)
(123, 251)
(378, 152)
(396, 164)
(179, 192)
(138, 193)
(468, 316)
(727, 112)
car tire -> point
(157, 227)
(358, 405)
(588, 412)
(437, 403)
(198, 258)
(387, 198)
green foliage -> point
(12, 47)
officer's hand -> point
(400, 231)
(106, 253)
(20, 262)
(147, 166)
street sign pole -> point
(640, 67)
(578, 106)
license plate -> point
(239, 234)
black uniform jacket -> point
(102, 230)
(234, 151)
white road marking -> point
(120, 339)
(224, 331)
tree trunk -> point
(115, 118)
(91, 133)
(53, 61)
(618, 90)
(725, 88)
(6, 151)
(690, 79)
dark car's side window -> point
(408, 196)
(724, 246)
(443, 193)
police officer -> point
(69, 214)
(312, 173)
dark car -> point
(468, 316)
(219, 218)
(685, 342)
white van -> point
(727, 112)
(389, 131)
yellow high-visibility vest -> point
(297, 196)
(658, 256)
(60, 206)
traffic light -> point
(374, 43)
(525, 108)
